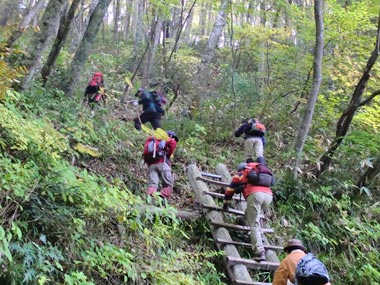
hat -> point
(173, 135)
(138, 91)
(241, 166)
(294, 244)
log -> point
(230, 211)
(199, 187)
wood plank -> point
(241, 228)
(250, 263)
(230, 210)
(211, 175)
(241, 282)
(237, 197)
(246, 244)
(214, 182)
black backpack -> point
(159, 100)
(260, 175)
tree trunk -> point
(208, 54)
(355, 103)
(80, 57)
(63, 31)
(116, 20)
(317, 78)
(40, 42)
(25, 22)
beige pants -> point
(257, 202)
(253, 148)
(160, 172)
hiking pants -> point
(153, 117)
(160, 172)
(257, 202)
(253, 148)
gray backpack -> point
(311, 271)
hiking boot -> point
(260, 256)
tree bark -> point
(40, 42)
(355, 103)
(80, 57)
(208, 54)
(63, 32)
(317, 78)
(26, 20)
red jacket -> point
(170, 147)
(240, 180)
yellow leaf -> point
(129, 82)
(161, 134)
(87, 149)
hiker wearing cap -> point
(151, 112)
(157, 154)
(287, 268)
(254, 139)
(258, 200)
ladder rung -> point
(250, 263)
(211, 175)
(214, 182)
(221, 196)
(242, 228)
(231, 211)
(245, 244)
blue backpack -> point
(311, 271)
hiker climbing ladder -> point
(238, 267)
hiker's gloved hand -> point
(135, 103)
(226, 205)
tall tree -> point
(317, 78)
(85, 47)
(356, 102)
(209, 52)
(42, 39)
(26, 20)
(63, 31)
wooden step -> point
(241, 228)
(250, 263)
(230, 211)
(245, 244)
(214, 182)
(261, 283)
(221, 196)
(216, 176)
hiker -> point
(95, 91)
(160, 164)
(258, 199)
(152, 112)
(286, 271)
(254, 139)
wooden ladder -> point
(224, 232)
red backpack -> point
(154, 150)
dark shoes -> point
(260, 256)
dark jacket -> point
(245, 128)
(147, 102)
